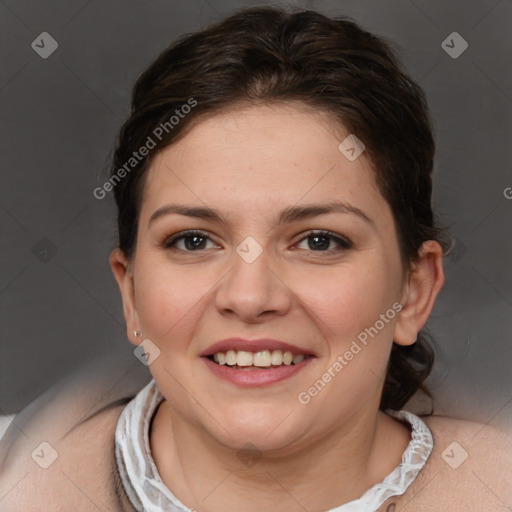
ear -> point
(426, 278)
(123, 274)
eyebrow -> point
(287, 216)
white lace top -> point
(147, 492)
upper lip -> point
(252, 346)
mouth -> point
(260, 360)
(256, 363)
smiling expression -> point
(270, 183)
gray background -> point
(60, 307)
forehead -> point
(260, 156)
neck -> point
(330, 471)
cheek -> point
(166, 300)
(348, 305)
(347, 300)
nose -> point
(253, 291)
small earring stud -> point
(136, 333)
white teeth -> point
(277, 358)
(287, 358)
(261, 359)
(244, 358)
(231, 358)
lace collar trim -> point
(147, 492)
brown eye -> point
(322, 241)
(192, 241)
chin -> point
(265, 431)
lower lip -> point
(255, 378)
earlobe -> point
(426, 278)
(124, 277)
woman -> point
(277, 260)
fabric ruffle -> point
(147, 492)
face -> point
(267, 266)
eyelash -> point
(344, 243)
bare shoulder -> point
(75, 470)
(469, 469)
(483, 443)
(59, 451)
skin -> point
(250, 164)
(340, 450)
(82, 474)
